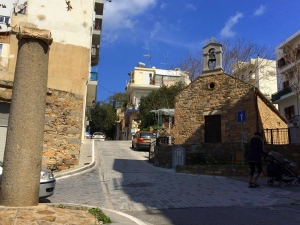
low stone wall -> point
(62, 132)
(217, 170)
(228, 152)
(162, 156)
(290, 152)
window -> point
(285, 84)
(4, 19)
(150, 78)
(289, 112)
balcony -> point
(92, 87)
(281, 63)
(95, 55)
(99, 5)
(277, 96)
(94, 76)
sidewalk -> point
(70, 214)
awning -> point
(166, 112)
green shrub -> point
(99, 215)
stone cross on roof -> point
(212, 40)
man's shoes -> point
(257, 185)
(252, 185)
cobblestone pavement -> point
(123, 180)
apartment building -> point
(288, 68)
(258, 72)
(142, 81)
(72, 81)
(288, 83)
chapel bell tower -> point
(212, 53)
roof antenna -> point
(149, 58)
(166, 61)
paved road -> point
(123, 180)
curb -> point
(113, 213)
(78, 170)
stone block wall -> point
(63, 124)
(268, 116)
(5, 90)
(62, 132)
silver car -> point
(99, 136)
(47, 183)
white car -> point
(47, 183)
(99, 136)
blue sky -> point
(168, 29)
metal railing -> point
(279, 136)
(276, 96)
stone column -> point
(25, 133)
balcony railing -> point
(281, 93)
(97, 25)
(94, 76)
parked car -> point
(142, 140)
(99, 136)
(88, 135)
(47, 183)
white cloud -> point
(157, 27)
(260, 11)
(163, 5)
(226, 31)
(146, 45)
(190, 6)
(122, 14)
(109, 37)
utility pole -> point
(25, 133)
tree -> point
(103, 118)
(118, 100)
(162, 98)
(193, 64)
(236, 56)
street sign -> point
(242, 116)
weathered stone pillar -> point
(25, 133)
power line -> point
(105, 89)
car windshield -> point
(98, 133)
(147, 135)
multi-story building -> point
(142, 81)
(288, 83)
(258, 72)
(76, 30)
(288, 72)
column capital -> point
(33, 32)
